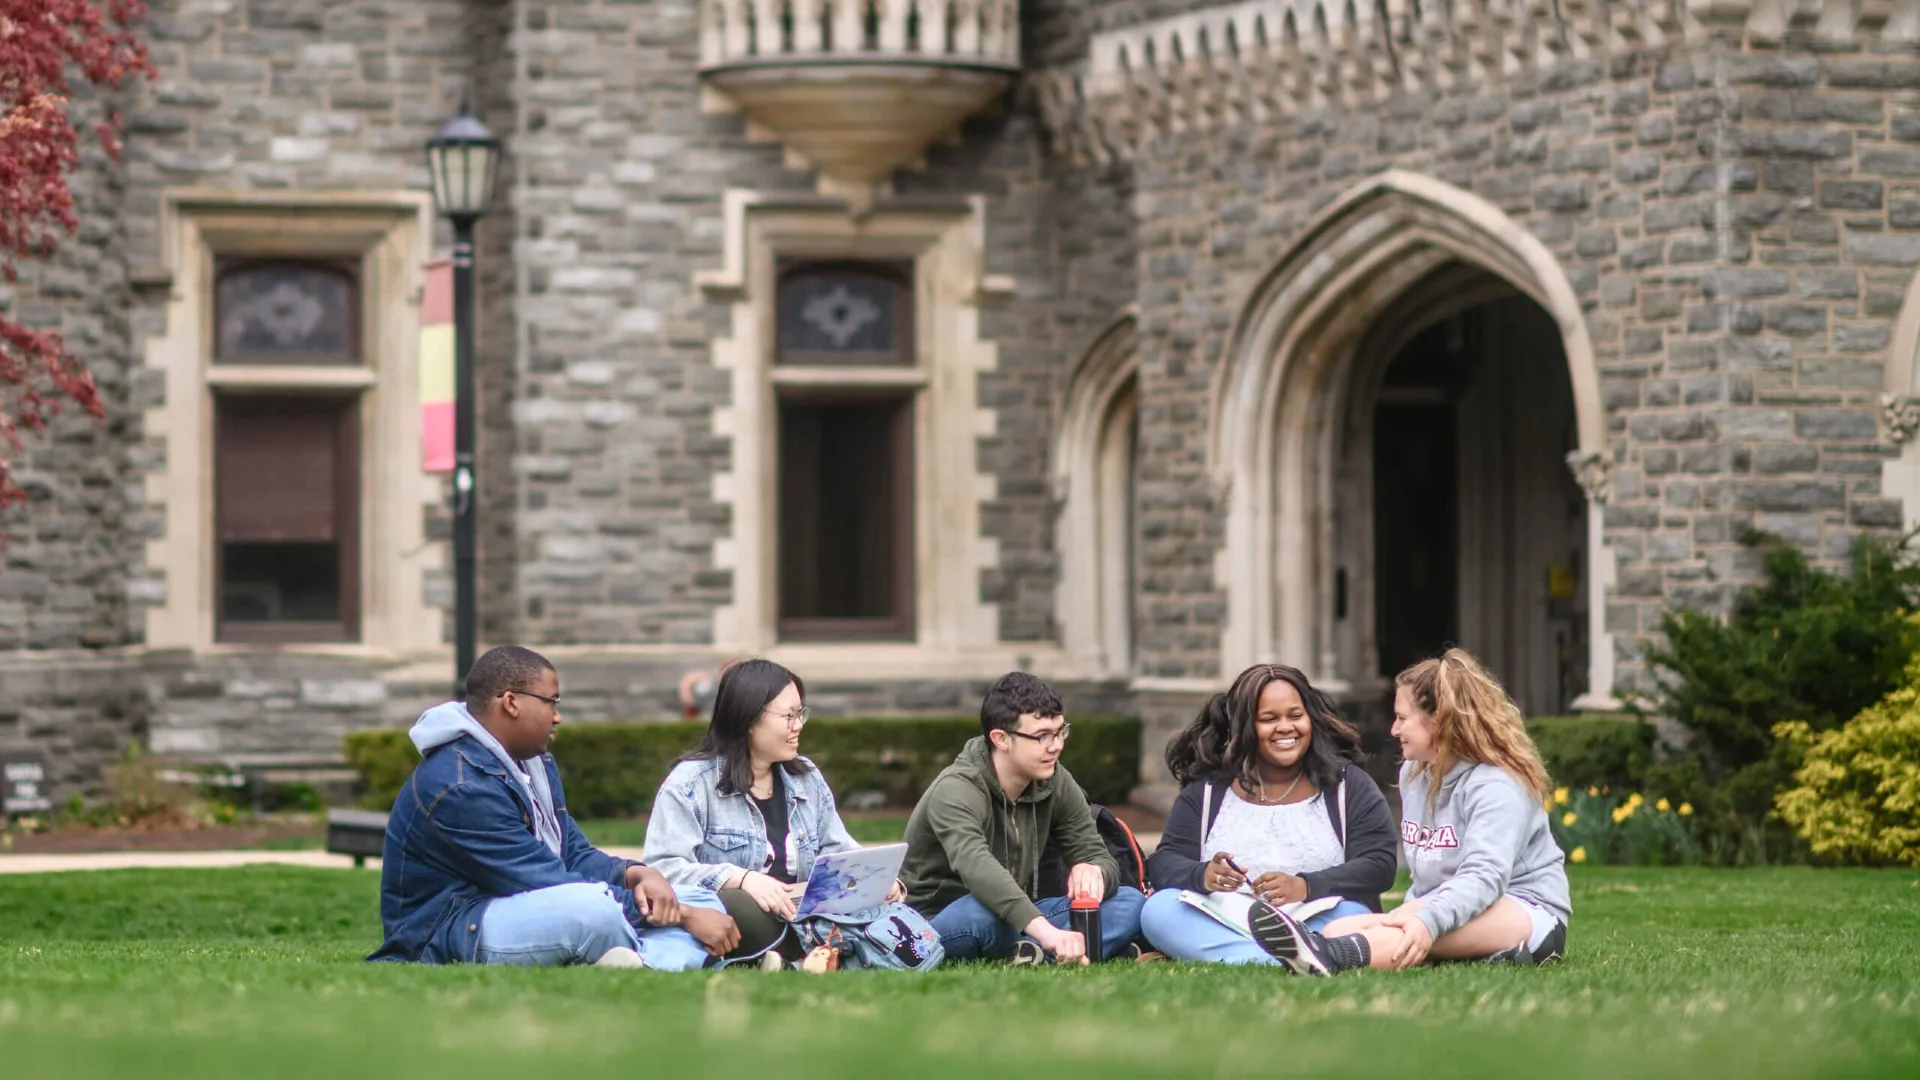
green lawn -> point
(1683, 973)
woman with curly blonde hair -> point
(1489, 882)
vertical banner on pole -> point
(436, 368)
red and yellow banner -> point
(436, 368)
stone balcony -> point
(859, 88)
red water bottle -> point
(1084, 918)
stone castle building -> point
(911, 341)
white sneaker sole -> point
(1283, 939)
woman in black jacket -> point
(1274, 806)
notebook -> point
(1230, 909)
(844, 882)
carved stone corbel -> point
(1901, 412)
(1593, 471)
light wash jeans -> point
(577, 923)
(968, 931)
(1185, 933)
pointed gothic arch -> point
(1280, 396)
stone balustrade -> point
(970, 32)
(1252, 61)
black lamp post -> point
(462, 159)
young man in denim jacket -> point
(483, 864)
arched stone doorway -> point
(1358, 317)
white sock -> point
(620, 956)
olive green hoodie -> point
(966, 836)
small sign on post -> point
(23, 781)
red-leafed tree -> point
(43, 45)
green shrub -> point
(1856, 797)
(1805, 645)
(613, 770)
(1594, 751)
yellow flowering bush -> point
(1856, 794)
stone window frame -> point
(388, 235)
(1093, 459)
(956, 634)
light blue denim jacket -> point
(699, 837)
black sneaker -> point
(1552, 948)
(1029, 952)
(1298, 949)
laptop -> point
(845, 882)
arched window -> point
(1094, 468)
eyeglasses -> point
(1058, 737)
(796, 719)
(553, 701)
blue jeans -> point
(1185, 933)
(968, 931)
(577, 923)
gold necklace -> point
(1262, 781)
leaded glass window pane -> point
(283, 312)
(845, 313)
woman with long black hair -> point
(1275, 807)
(746, 816)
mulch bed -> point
(74, 840)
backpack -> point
(1120, 844)
(889, 937)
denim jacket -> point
(461, 834)
(699, 837)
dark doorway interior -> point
(1417, 603)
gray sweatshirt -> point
(1484, 835)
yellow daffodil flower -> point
(1569, 818)
(1686, 809)
(1559, 796)
(1663, 806)
(1578, 854)
(1593, 791)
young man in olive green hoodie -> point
(974, 841)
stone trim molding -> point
(1289, 351)
(1253, 61)
(947, 243)
(389, 232)
(1092, 481)
(1900, 409)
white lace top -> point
(1295, 838)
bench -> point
(359, 833)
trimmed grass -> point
(884, 827)
(1771, 973)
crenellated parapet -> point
(1264, 59)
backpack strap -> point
(1343, 814)
(1206, 812)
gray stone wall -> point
(618, 188)
(1734, 225)
(1068, 241)
(66, 684)
(64, 554)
